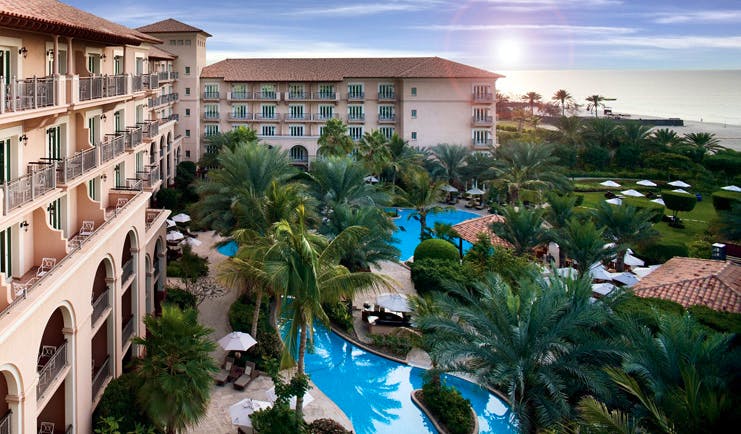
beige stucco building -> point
(87, 135)
(425, 100)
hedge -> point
(180, 298)
(724, 200)
(435, 248)
(433, 274)
(725, 322)
(657, 210)
(679, 201)
(658, 253)
(449, 407)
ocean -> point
(707, 96)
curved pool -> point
(374, 392)
(407, 232)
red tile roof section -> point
(690, 281)
(337, 69)
(51, 16)
(159, 53)
(170, 26)
(469, 230)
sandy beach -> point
(729, 135)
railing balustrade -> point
(151, 81)
(128, 331)
(483, 142)
(324, 117)
(102, 86)
(483, 97)
(99, 377)
(51, 370)
(28, 187)
(5, 424)
(149, 176)
(27, 94)
(100, 305)
(267, 95)
(72, 167)
(324, 96)
(111, 147)
(137, 83)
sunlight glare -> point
(508, 52)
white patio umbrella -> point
(475, 191)
(679, 190)
(680, 184)
(449, 188)
(631, 260)
(731, 188)
(627, 279)
(646, 183)
(174, 236)
(633, 193)
(642, 272)
(394, 302)
(181, 218)
(599, 272)
(603, 288)
(659, 201)
(237, 341)
(240, 412)
(193, 242)
(170, 223)
(614, 201)
(609, 183)
(291, 402)
(371, 179)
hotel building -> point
(88, 132)
(425, 100)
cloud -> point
(540, 5)
(719, 16)
(557, 28)
(365, 8)
(327, 50)
(670, 42)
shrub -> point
(327, 426)
(657, 210)
(679, 201)
(448, 406)
(168, 198)
(398, 344)
(119, 403)
(725, 322)
(658, 253)
(189, 265)
(700, 248)
(180, 298)
(277, 419)
(724, 200)
(579, 200)
(436, 249)
(531, 196)
(644, 310)
(433, 274)
(339, 313)
(268, 345)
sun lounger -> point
(221, 377)
(46, 265)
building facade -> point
(86, 137)
(287, 101)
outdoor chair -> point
(120, 203)
(46, 428)
(87, 228)
(46, 265)
(250, 373)
(235, 373)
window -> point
(117, 175)
(481, 114)
(173, 42)
(239, 111)
(187, 133)
(187, 154)
(5, 160)
(140, 114)
(187, 70)
(355, 133)
(321, 129)
(239, 91)
(187, 112)
(92, 124)
(355, 112)
(296, 111)
(482, 92)
(385, 113)
(326, 91)
(140, 161)
(355, 91)
(387, 132)
(326, 112)
(211, 111)
(187, 42)
(268, 130)
(62, 63)
(117, 65)
(296, 91)
(118, 121)
(414, 135)
(481, 137)
(267, 91)
(55, 213)
(414, 113)
(385, 91)
(180, 42)
(6, 256)
(54, 143)
(296, 130)
(414, 91)
(267, 111)
(187, 91)
(212, 130)
(211, 91)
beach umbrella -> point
(679, 190)
(371, 179)
(614, 201)
(632, 193)
(449, 188)
(237, 341)
(475, 191)
(626, 278)
(642, 272)
(394, 302)
(659, 201)
(240, 412)
(609, 183)
(603, 288)
(170, 223)
(193, 242)
(599, 272)
(631, 260)
(731, 188)
(292, 402)
(181, 218)
(680, 184)
(174, 236)
(646, 183)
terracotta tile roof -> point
(690, 281)
(469, 230)
(337, 69)
(159, 53)
(170, 26)
(51, 16)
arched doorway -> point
(129, 290)
(299, 157)
(56, 378)
(158, 275)
(101, 345)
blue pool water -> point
(228, 249)
(374, 392)
(407, 232)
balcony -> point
(100, 304)
(356, 96)
(387, 119)
(162, 99)
(96, 87)
(387, 96)
(297, 96)
(150, 81)
(324, 96)
(319, 117)
(28, 94)
(482, 121)
(482, 142)
(355, 118)
(100, 377)
(128, 331)
(239, 96)
(173, 117)
(150, 129)
(151, 217)
(51, 370)
(271, 117)
(77, 165)
(137, 83)
(133, 137)
(113, 145)
(483, 97)
(25, 189)
(211, 96)
(240, 117)
(266, 96)
(150, 176)
(297, 117)
(167, 76)
(211, 116)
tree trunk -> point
(620, 261)
(256, 314)
(300, 371)
(422, 225)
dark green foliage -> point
(168, 198)
(280, 418)
(185, 174)
(674, 164)
(728, 162)
(180, 298)
(398, 346)
(656, 209)
(724, 322)
(595, 157)
(483, 258)
(432, 274)
(645, 310)
(340, 315)
(531, 196)
(188, 266)
(579, 200)
(448, 406)
(659, 252)
(326, 426)
(119, 402)
(436, 249)
(730, 223)
(566, 155)
(268, 345)
(725, 200)
(679, 201)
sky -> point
(491, 34)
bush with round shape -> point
(657, 210)
(658, 253)
(679, 201)
(724, 200)
(436, 249)
(326, 426)
(434, 274)
(448, 406)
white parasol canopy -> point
(646, 183)
(660, 201)
(614, 201)
(609, 183)
(626, 278)
(642, 272)
(680, 184)
(631, 260)
(292, 402)
(170, 223)
(568, 272)
(193, 242)
(679, 190)
(633, 193)
(237, 341)
(731, 188)
(371, 179)
(174, 236)
(181, 218)
(240, 412)
(394, 302)
(603, 288)
(449, 188)
(475, 191)
(598, 271)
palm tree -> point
(334, 140)
(176, 370)
(562, 96)
(452, 158)
(665, 138)
(520, 116)
(602, 132)
(228, 139)
(584, 243)
(625, 226)
(539, 344)
(706, 141)
(597, 101)
(522, 227)
(374, 152)
(570, 130)
(532, 99)
(403, 157)
(527, 165)
(340, 180)
(421, 194)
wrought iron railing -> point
(104, 372)
(151, 81)
(26, 188)
(128, 331)
(127, 270)
(5, 423)
(149, 176)
(51, 370)
(102, 86)
(137, 83)
(100, 305)
(27, 94)
(77, 165)
(113, 146)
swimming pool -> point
(407, 232)
(228, 249)
(374, 392)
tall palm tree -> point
(560, 209)
(421, 194)
(663, 138)
(452, 158)
(539, 345)
(570, 130)
(602, 132)
(522, 227)
(228, 139)
(374, 152)
(528, 165)
(705, 141)
(403, 157)
(532, 99)
(584, 243)
(334, 140)
(563, 96)
(176, 370)
(625, 226)
(340, 180)
(520, 116)
(595, 102)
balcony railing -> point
(130, 184)
(137, 83)
(128, 331)
(5, 424)
(150, 81)
(150, 217)
(149, 128)
(356, 95)
(356, 118)
(167, 75)
(210, 95)
(100, 304)
(113, 146)
(483, 97)
(296, 96)
(324, 117)
(266, 117)
(51, 370)
(99, 378)
(162, 99)
(386, 118)
(26, 188)
(386, 96)
(133, 137)
(483, 120)
(483, 142)
(240, 117)
(127, 270)
(211, 116)
(150, 176)
(266, 95)
(75, 166)
(324, 96)
(102, 86)
(173, 117)
(297, 116)
(27, 94)
(240, 96)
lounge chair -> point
(120, 203)
(87, 228)
(46, 428)
(235, 372)
(46, 265)
(250, 372)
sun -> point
(508, 51)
